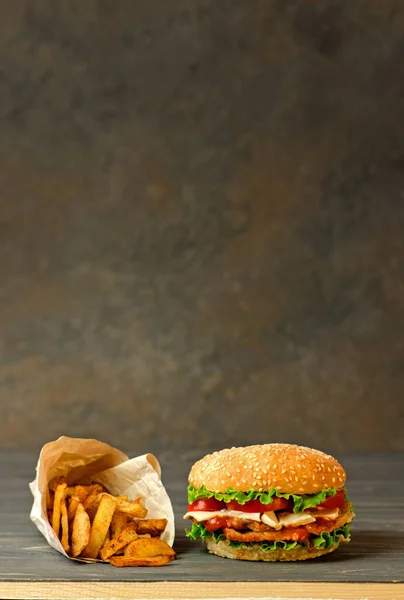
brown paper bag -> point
(85, 461)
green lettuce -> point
(327, 539)
(300, 503)
(285, 545)
(324, 540)
(198, 531)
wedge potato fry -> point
(129, 550)
(65, 525)
(96, 488)
(78, 490)
(132, 509)
(73, 503)
(91, 504)
(126, 536)
(92, 523)
(59, 494)
(147, 547)
(92, 499)
(154, 527)
(100, 525)
(130, 561)
(107, 538)
(119, 520)
(80, 531)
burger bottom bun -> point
(254, 552)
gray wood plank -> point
(376, 553)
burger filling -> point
(270, 518)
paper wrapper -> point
(84, 461)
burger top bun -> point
(288, 468)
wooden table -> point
(371, 566)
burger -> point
(270, 502)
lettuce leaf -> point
(328, 539)
(285, 545)
(324, 540)
(300, 503)
(198, 530)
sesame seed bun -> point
(288, 468)
(255, 552)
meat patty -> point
(243, 524)
(298, 534)
(262, 532)
(345, 516)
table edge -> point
(92, 590)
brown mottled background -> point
(202, 222)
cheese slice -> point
(277, 521)
(332, 513)
(295, 520)
(202, 515)
(270, 518)
(244, 515)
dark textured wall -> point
(202, 222)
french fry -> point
(132, 509)
(154, 527)
(78, 490)
(93, 498)
(96, 488)
(59, 494)
(80, 531)
(118, 542)
(130, 561)
(119, 520)
(74, 501)
(128, 551)
(100, 525)
(148, 547)
(65, 525)
(107, 538)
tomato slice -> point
(333, 501)
(206, 504)
(257, 506)
(215, 523)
